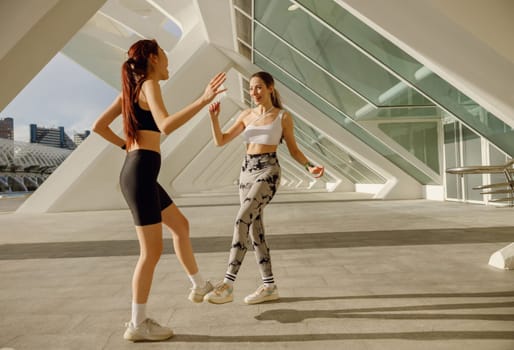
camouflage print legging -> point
(258, 183)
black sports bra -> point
(144, 119)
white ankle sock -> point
(138, 313)
(197, 280)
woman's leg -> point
(178, 224)
(268, 290)
(257, 196)
(261, 249)
(223, 292)
(267, 191)
(141, 327)
(150, 243)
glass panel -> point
(384, 113)
(333, 156)
(342, 119)
(243, 28)
(244, 50)
(452, 160)
(299, 67)
(419, 138)
(460, 105)
(245, 5)
(497, 157)
(247, 96)
(328, 50)
(472, 155)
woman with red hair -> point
(144, 119)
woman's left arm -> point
(296, 153)
(102, 125)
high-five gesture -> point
(214, 87)
(214, 109)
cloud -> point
(62, 94)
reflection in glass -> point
(440, 91)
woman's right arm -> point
(221, 138)
(168, 123)
(101, 125)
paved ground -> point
(352, 275)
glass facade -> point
(346, 85)
(415, 73)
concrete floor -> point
(352, 275)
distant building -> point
(79, 137)
(7, 128)
(54, 137)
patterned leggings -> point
(258, 182)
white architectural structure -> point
(387, 95)
(503, 258)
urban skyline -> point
(7, 132)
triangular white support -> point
(503, 258)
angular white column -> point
(32, 32)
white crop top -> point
(269, 134)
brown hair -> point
(133, 73)
(269, 81)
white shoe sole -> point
(262, 300)
(136, 337)
(196, 299)
(220, 301)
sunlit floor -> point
(352, 275)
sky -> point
(62, 94)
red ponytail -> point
(133, 73)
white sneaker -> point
(221, 294)
(196, 295)
(147, 330)
(263, 294)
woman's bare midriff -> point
(146, 139)
(256, 148)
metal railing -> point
(506, 188)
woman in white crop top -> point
(263, 128)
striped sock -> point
(268, 281)
(229, 278)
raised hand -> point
(214, 109)
(214, 87)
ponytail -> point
(128, 85)
(275, 99)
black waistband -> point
(262, 155)
(142, 152)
